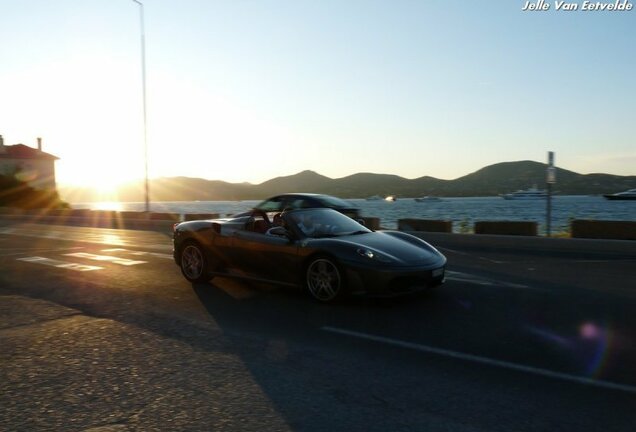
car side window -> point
(273, 205)
(306, 204)
(299, 203)
(288, 203)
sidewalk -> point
(62, 370)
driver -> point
(277, 221)
(307, 224)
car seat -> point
(260, 226)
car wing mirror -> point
(361, 222)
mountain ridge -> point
(491, 180)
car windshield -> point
(321, 223)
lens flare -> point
(588, 347)
(599, 337)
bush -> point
(16, 193)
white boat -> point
(526, 194)
(390, 198)
(428, 198)
(625, 195)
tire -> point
(193, 263)
(324, 281)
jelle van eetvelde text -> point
(586, 5)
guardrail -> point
(596, 229)
(584, 229)
(590, 229)
(102, 218)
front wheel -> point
(324, 281)
(193, 263)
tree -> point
(16, 193)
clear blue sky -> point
(250, 90)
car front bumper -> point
(393, 281)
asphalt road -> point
(100, 332)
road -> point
(100, 332)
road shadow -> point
(318, 379)
(275, 308)
(314, 377)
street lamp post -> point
(550, 180)
(143, 85)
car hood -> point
(399, 250)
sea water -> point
(463, 212)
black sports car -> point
(320, 250)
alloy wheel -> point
(323, 280)
(192, 262)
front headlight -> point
(374, 255)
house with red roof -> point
(28, 164)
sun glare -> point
(108, 205)
(103, 175)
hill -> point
(492, 180)
(510, 176)
(305, 181)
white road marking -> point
(465, 277)
(478, 280)
(107, 258)
(470, 254)
(70, 236)
(104, 239)
(485, 360)
(491, 260)
(160, 246)
(452, 250)
(25, 251)
(59, 264)
(140, 253)
(26, 233)
(598, 261)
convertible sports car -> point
(321, 250)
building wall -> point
(37, 173)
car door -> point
(265, 256)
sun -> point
(93, 177)
(104, 174)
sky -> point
(248, 90)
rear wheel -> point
(193, 263)
(324, 281)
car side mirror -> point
(361, 222)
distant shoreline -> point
(461, 211)
(490, 181)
